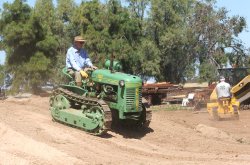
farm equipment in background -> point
(168, 93)
(239, 79)
(108, 97)
(156, 92)
(223, 107)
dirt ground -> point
(29, 136)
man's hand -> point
(90, 68)
(84, 74)
(94, 67)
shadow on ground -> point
(133, 133)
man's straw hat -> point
(79, 39)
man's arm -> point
(90, 64)
(87, 61)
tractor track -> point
(89, 102)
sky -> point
(241, 8)
(235, 7)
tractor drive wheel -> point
(236, 113)
(236, 116)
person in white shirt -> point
(223, 89)
(77, 60)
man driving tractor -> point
(77, 60)
(223, 89)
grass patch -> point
(169, 107)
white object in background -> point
(184, 102)
(190, 96)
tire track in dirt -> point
(21, 146)
(169, 141)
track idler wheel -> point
(59, 102)
(235, 113)
(97, 115)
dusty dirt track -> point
(29, 136)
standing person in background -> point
(77, 60)
(223, 89)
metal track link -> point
(82, 100)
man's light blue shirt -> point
(77, 59)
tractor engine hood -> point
(105, 76)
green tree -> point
(160, 38)
(44, 10)
(89, 20)
(63, 14)
(30, 49)
(2, 75)
(123, 32)
(144, 52)
(213, 37)
(168, 29)
(108, 29)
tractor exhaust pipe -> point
(112, 63)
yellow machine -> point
(223, 108)
(229, 107)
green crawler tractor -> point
(108, 97)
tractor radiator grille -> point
(133, 99)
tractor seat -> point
(224, 98)
(225, 101)
(65, 71)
